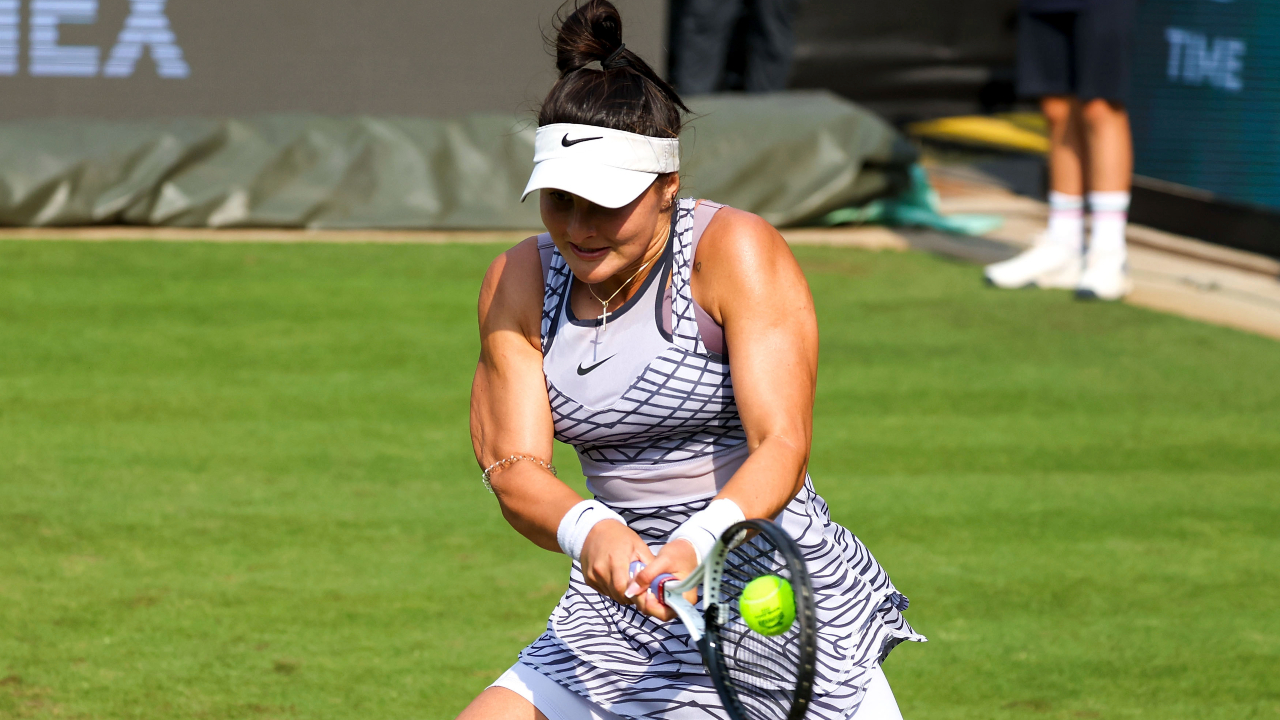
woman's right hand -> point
(606, 558)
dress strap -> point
(709, 333)
(684, 320)
(712, 334)
(546, 250)
(701, 219)
(556, 276)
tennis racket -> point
(758, 677)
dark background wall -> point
(389, 57)
(909, 58)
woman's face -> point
(600, 242)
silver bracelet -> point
(505, 462)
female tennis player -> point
(673, 343)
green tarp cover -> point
(791, 158)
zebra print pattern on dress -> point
(681, 407)
(638, 668)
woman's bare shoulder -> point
(743, 260)
(512, 290)
(737, 240)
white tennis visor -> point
(607, 167)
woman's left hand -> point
(677, 558)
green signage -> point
(1206, 96)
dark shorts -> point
(1086, 53)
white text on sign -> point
(145, 30)
(1193, 60)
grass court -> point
(236, 482)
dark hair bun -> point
(627, 95)
(591, 33)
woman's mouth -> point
(589, 253)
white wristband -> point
(577, 523)
(705, 527)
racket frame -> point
(704, 628)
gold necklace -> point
(604, 304)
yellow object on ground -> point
(1022, 132)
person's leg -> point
(705, 28)
(1110, 175)
(1066, 144)
(1110, 146)
(524, 693)
(879, 702)
(499, 703)
(1055, 260)
(771, 41)
(1105, 31)
(1067, 168)
(1110, 172)
(1046, 52)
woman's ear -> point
(670, 189)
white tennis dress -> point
(647, 401)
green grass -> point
(236, 482)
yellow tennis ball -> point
(768, 605)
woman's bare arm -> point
(752, 285)
(510, 414)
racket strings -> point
(764, 670)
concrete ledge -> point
(116, 233)
(868, 237)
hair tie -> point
(610, 63)
(614, 60)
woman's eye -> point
(560, 197)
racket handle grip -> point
(656, 586)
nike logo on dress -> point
(584, 371)
(565, 141)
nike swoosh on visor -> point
(565, 141)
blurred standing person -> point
(1074, 55)
(703, 40)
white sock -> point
(1066, 220)
(1110, 215)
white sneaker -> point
(1105, 277)
(1047, 265)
